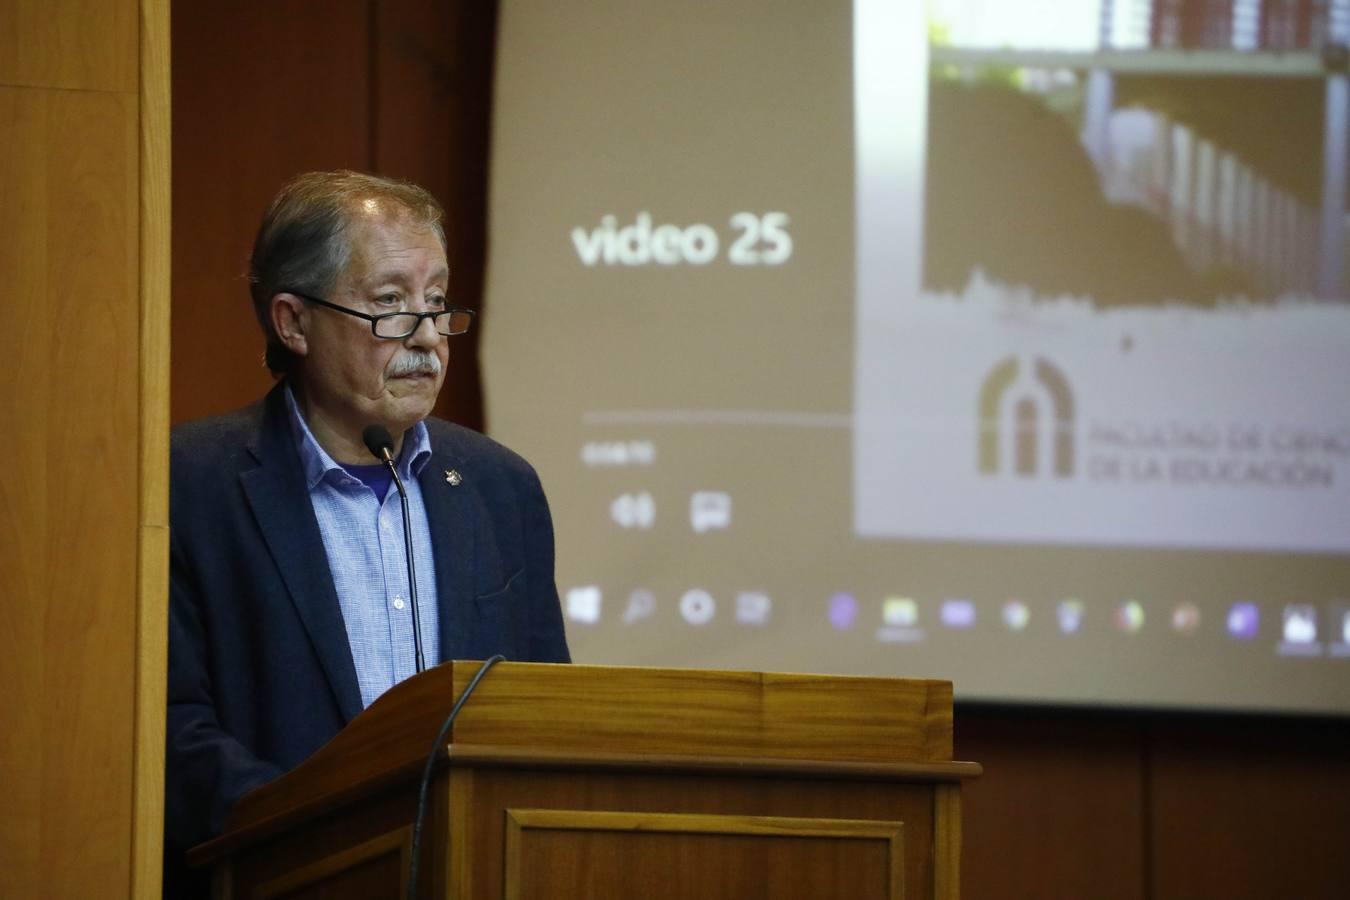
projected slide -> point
(992, 342)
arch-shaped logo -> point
(1022, 415)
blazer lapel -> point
(452, 518)
(277, 493)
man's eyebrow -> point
(396, 276)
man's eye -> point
(436, 301)
(389, 300)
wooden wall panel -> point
(82, 351)
(23, 507)
(92, 417)
(152, 625)
(71, 615)
(1248, 809)
(1059, 811)
(417, 83)
(70, 499)
(74, 44)
(261, 92)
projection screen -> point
(1001, 342)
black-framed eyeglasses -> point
(394, 326)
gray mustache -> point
(415, 362)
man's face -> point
(350, 377)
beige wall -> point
(83, 520)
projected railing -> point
(1222, 211)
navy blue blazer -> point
(260, 671)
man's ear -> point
(288, 321)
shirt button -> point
(398, 603)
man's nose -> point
(425, 335)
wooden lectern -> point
(596, 782)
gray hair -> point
(302, 244)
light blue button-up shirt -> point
(363, 537)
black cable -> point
(425, 786)
(412, 568)
(381, 446)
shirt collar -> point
(317, 464)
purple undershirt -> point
(376, 477)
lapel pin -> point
(453, 478)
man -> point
(290, 608)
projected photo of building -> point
(1139, 151)
(1146, 197)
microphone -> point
(381, 446)
(378, 442)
